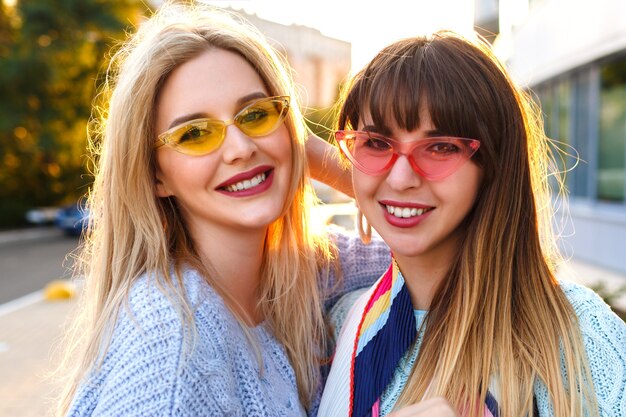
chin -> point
(260, 220)
(405, 245)
(406, 251)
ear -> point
(161, 188)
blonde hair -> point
(132, 232)
(500, 311)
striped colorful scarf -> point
(379, 330)
(386, 332)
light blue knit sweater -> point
(148, 370)
(604, 336)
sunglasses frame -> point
(406, 149)
(164, 139)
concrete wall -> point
(595, 234)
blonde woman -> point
(450, 167)
(204, 284)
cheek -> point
(280, 149)
(365, 186)
(178, 171)
(287, 153)
(466, 188)
(475, 177)
(284, 143)
(163, 165)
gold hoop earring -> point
(364, 232)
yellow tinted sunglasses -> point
(203, 136)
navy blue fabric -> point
(375, 365)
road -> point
(28, 265)
(30, 334)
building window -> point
(556, 105)
(612, 141)
(564, 110)
(582, 134)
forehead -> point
(210, 83)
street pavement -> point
(29, 350)
(30, 261)
(32, 326)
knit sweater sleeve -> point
(604, 338)
(149, 369)
(360, 264)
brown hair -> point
(499, 315)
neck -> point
(423, 274)
(422, 281)
(236, 257)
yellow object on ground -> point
(58, 290)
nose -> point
(401, 176)
(237, 145)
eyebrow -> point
(241, 101)
(386, 132)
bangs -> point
(396, 96)
(419, 75)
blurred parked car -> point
(73, 219)
(42, 216)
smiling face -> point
(245, 182)
(418, 218)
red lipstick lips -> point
(252, 182)
(404, 214)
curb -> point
(20, 303)
(13, 236)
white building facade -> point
(320, 63)
(572, 55)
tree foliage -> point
(52, 53)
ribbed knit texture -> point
(149, 371)
(604, 337)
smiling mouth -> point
(406, 212)
(247, 184)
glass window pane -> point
(564, 98)
(612, 140)
(580, 137)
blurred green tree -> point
(52, 56)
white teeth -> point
(405, 212)
(244, 185)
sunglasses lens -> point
(438, 158)
(198, 138)
(370, 152)
(262, 117)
